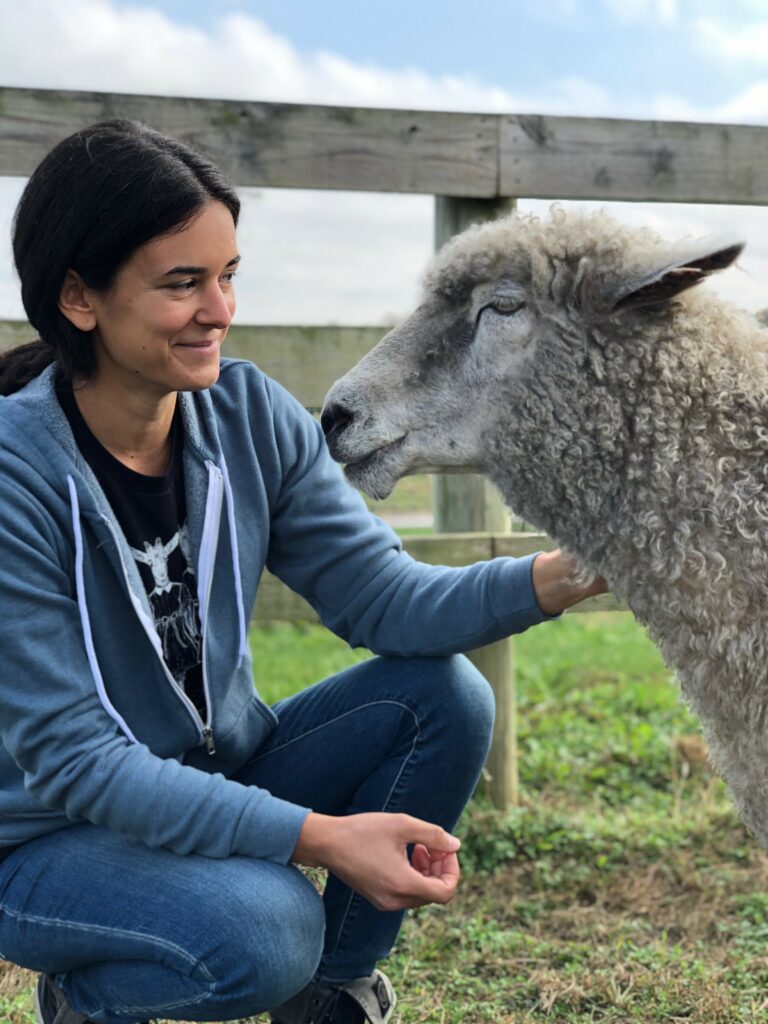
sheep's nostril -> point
(334, 419)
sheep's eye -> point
(506, 306)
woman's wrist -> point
(313, 843)
(554, 585)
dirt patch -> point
(14, 979)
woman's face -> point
(160, 327)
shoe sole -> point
(39, 1019)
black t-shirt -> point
(152, 513)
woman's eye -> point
(182, 286)
(229, 277)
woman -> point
(152, 808)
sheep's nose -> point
(334, 420)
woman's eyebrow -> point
(197, 270)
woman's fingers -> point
(434, 838)
(420, 859)
(433, 864)
(370, 853)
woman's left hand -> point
(554, 584)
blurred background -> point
(619, 886)
(356, 258)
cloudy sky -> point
(356, 258)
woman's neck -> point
(135, 428)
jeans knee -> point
(468, 701)
(300, 950)
(272, 953)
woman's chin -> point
(198, 378)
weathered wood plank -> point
(466, 548)
(306, 360)
(277, 603)
(15, 332)
(515, 545)
(276, 144)
(448, 154)
(601, 158)
(451, 548)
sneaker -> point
(51, 1006)
(368, 1000)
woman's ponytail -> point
(20, 365)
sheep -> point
(616, 409)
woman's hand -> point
(554, 585)
(369, 853)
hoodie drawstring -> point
(84, 617)
(231, 519)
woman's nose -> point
(217, 308)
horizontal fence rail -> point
(305, 360)
(275, 602)
(650, 161)
(450, 154)
(276, 144)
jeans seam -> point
(152, 940)
(153, 1009)
(355, 896)
(332, 721)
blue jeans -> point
(131, 932)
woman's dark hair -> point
(97, 197)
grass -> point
(622, 889)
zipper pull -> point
(208, 737)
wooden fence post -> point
(470, 504)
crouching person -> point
(153, 810)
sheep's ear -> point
(668, 280)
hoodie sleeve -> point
(350, 566)
(74, 758)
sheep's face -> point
(421, 400)
(501, 343)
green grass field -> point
(623, 889)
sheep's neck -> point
(640, 475)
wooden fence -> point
(475, 165)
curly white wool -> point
(644, 450)
(617, 408)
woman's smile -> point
(160, 328)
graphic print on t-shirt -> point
(147, 507)
(170, 586)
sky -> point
(357, 258)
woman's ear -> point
(75, 303)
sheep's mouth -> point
(377, 455)
(378, 471)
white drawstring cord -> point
(84, 618)
(231, 518)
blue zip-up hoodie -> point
(93, 726)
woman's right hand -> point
(369, 853)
